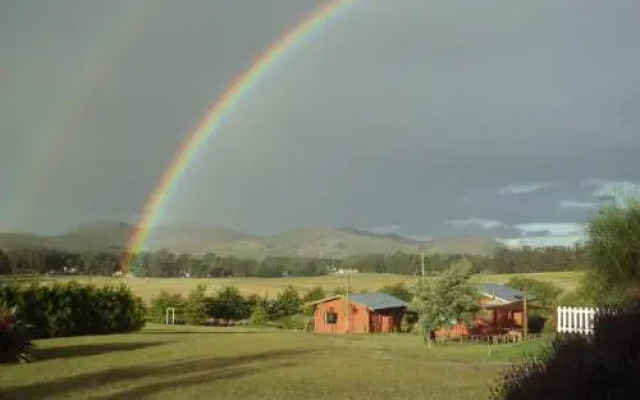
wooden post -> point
(421, 248)
(348, 305)
(525, 318)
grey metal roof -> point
(502, 292)
(377, 301)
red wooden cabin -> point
(367, 313)
(502, 310)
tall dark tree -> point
(5, 263)
(614, 253)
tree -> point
(613, 248)
(339, 291)
(228, 304)
(443, 301)
(315, 294)
(399, 291)
(259, 316)
(5, 263)
(545, 293)
(164, 300)
(196, 307)
(287, 302)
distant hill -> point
(101, 235)
(197, 238)
(20, 240)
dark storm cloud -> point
(407, 113)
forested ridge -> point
(164, 263)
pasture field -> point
(180, 362)
(147, 288)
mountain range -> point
(197, 238)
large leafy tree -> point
(613, 248)
(315, 294)
(398, 290)
(443, 301)
(5, 263)
(287, 303)
(545, 293)
(228, 304)
(196, 306)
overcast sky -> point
(427, 118)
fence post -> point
(559, 320)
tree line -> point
(228, 306)
(164, 263)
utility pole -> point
(421, 249)
(525, 317)
(348, 304)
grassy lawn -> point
(149, 287)
(205, 363)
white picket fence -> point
(575, 320)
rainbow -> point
(212, 121)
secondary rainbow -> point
(110, 41)
(213, 119)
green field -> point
(147, 288)
(178, 362)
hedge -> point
(74, 310)
(15, 341)
(605, 365)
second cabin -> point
(364, 313)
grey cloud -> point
(553, 228)
(384, 229)
(477, 222)
(620, 190)
(407, 111)
(578, 204)
(544, 241)
(524, 188)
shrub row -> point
(228, 306)
(73, 310)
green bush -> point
(549, 326)
(286, 303)
(73, 309)
(315, 294)
(164, 300)
(536, 323)
(196, 307)
(15, 341)
(295, 322)
(604, 365)
(259, 316)
(399, 291)
(544, 293)
(229, 305)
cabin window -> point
(330, 318)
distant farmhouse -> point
(342, 271)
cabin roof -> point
(500, 292)
(377, 301)
(373, 301)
